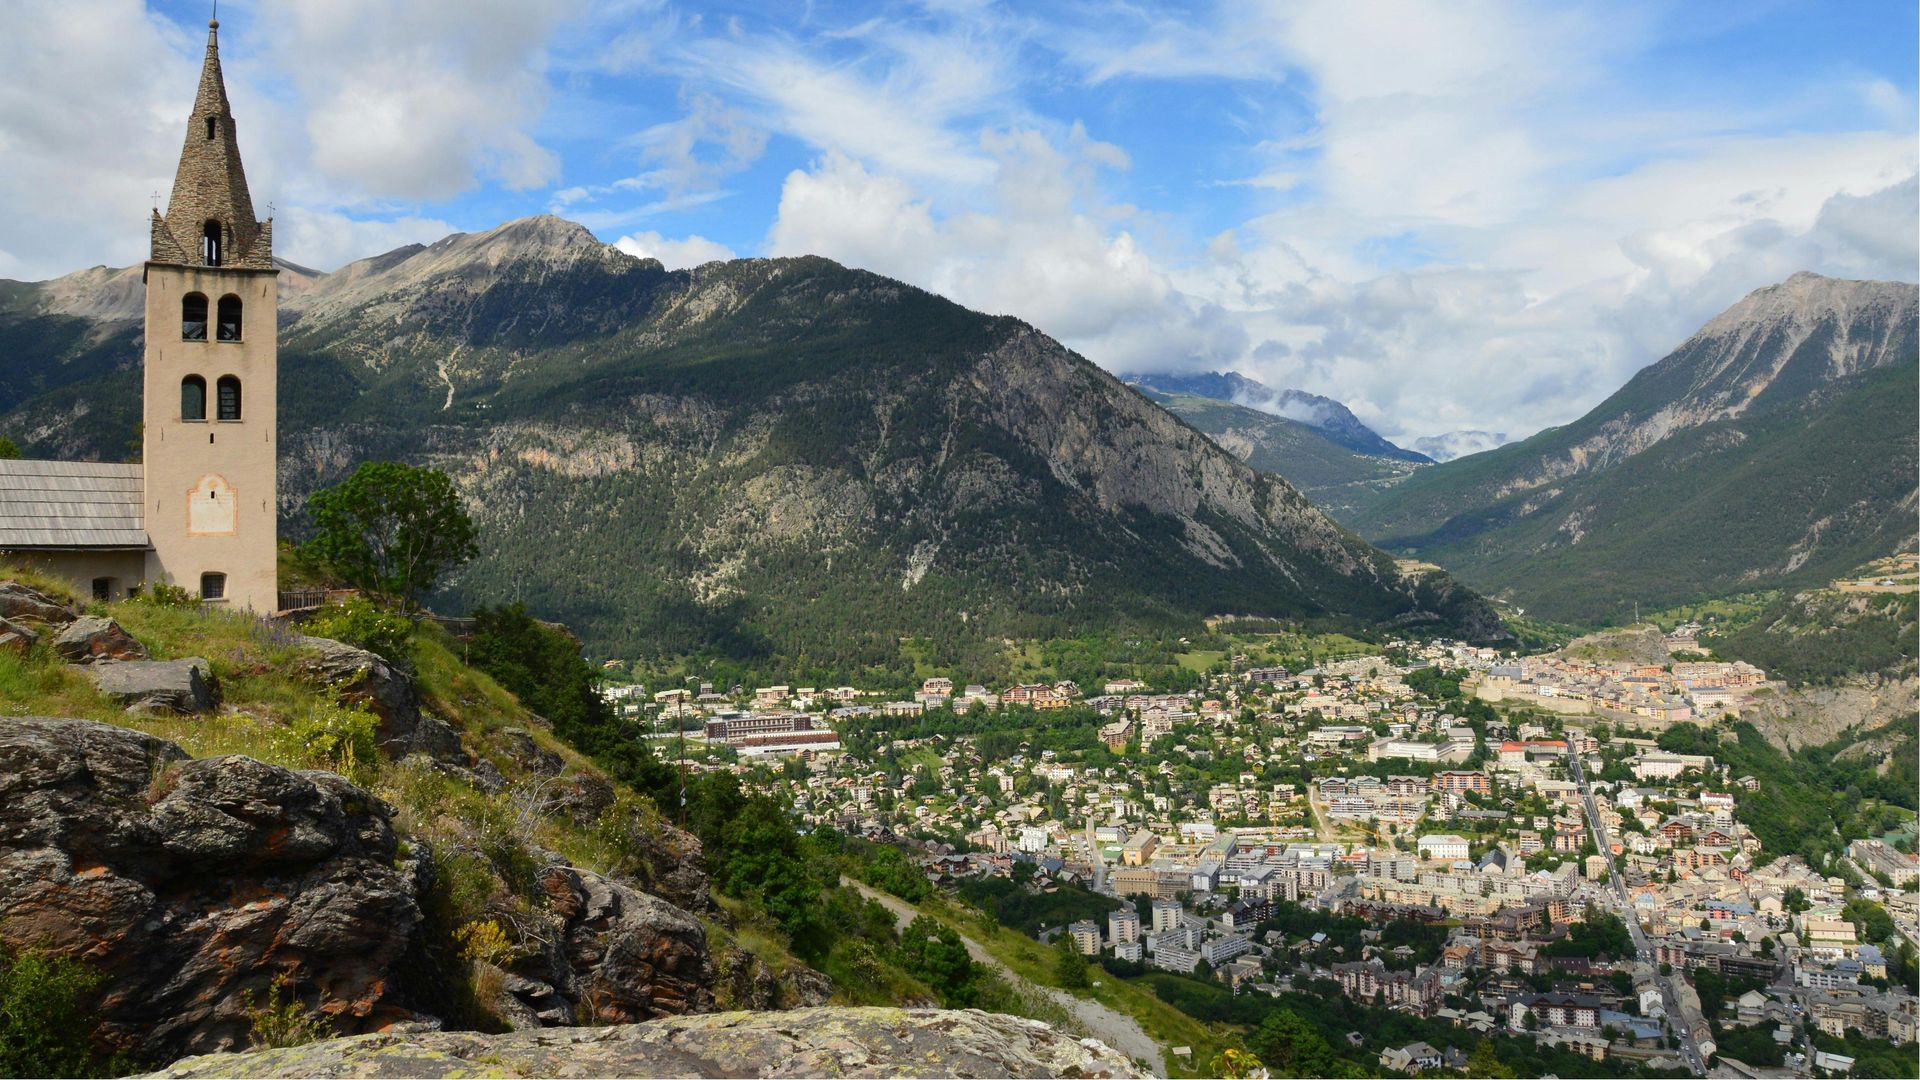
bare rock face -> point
(16, 637)
(18, 601)
(749, 983)
(182, 686)
(620, 955)
(805, 1042)
(363, 678)
(191, 883)
(528, 754)
(93, 639)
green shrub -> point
(162, 594)
(363, 624)
(281, 1020)
(336, 737)
(45, 1017)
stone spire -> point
(209, 218)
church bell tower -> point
(212, 371)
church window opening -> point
(193, 398)
(209, 129)
(213, 586)
(229, 397)
(228, 324)
(193, 317)
(210, 243)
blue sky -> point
(1449, 215)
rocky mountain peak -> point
(1806, 298)
(530, 251)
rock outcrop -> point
(182, 686)
(362, 678)
(805, 1042)
(619, 956)
(18, 601)
(94, 639)
(16, 637)
(192, 884)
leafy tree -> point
(392, 529)
(1483, 1063)
(1069, 965)
(1291, 1046)
(891, 870)
(934, 953)
(8, 451)
(761, 855)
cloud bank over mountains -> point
(1449, 216)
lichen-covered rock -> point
(363, 678)
(805, 1042)
(182, 686)
(530, 756)
(93, 639)
(19, 601)
(747, 982)
(668, 861)
(582, 796)
(191, 884)
(620, 955)
(16, 638)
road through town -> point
(1683, 1023)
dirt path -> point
(1116, 1029)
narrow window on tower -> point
(227, 326)
(210, 243)
(193, 317)
(229, 394)
(209, 129)
(193, 398)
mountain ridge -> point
(766, 455)
(1324, 414)
(1773, 446)
(1324, 470)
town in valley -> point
(1549, 846)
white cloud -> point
(93, 108)
(1038, 247)
(328, 239)
(673, 254)
(908, 105)
(421, 100)
(94, 102)
(1558, 241)
(711, 142)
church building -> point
(198, 510)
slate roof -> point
(71, 504)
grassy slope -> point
(268, 712)
(1035, 962)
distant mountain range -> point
(1323, 414)
(1776, 447)
(758, 458)
(1458, 444)
(1326, 471)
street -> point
(1681, 1022)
